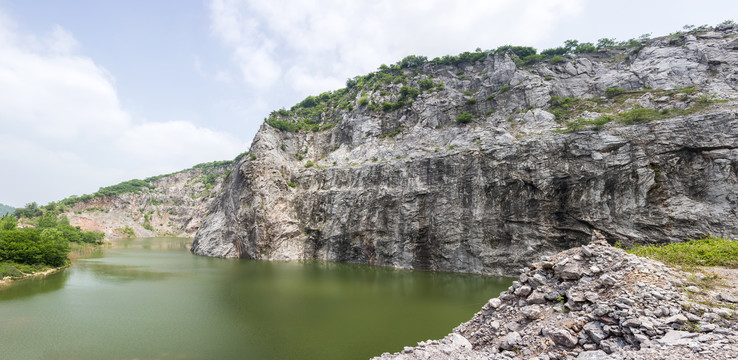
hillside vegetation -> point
(25, 250)
(6, 209)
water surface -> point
(152, 299)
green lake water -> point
(152, 299)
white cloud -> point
(65, 131)
(223, 77)
(152, 144)
(316, 45)
(305, 82)
(62, 42)
(258, 65)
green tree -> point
(606, 43)
(47, 221)
(54, 247)
(31, 210)
(412, 61)
(63, 221)
(8, 223)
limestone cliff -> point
(488, 164)
(174, 206)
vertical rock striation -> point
(536, 170)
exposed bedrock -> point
(412, 188)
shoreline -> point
(599, 302)
(9, 279)
(74, 254)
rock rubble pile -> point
(594, 302)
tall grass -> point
(708, 251)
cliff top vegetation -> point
(404, 79)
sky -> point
(93, 92)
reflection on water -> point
(122, 273)
(34, 286)
(152, 299)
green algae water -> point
(152, 299)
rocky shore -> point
(596, 302)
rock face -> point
(646, 313)
(175, 206)
(409, 186)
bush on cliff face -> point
(464, 118)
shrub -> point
(705, 99)
(284, 125)
(556, 59)
(614, 91)
(393, 133)
(605, 43)
(471, 101)
(8, 223)
(309, 102)
(389, 106)
(412, 61)
(409, 92)
(309, 163)
(425, 84)
(555, 51)
(464, 118)
(530, 59)
(519, 51)
(638, 115)
(34, 246)
(597, 123)
(291, 184)
(327, 126)
(584, 48)
(363, 101)
(503, 89)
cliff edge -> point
(485, 162)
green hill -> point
(6, 209)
